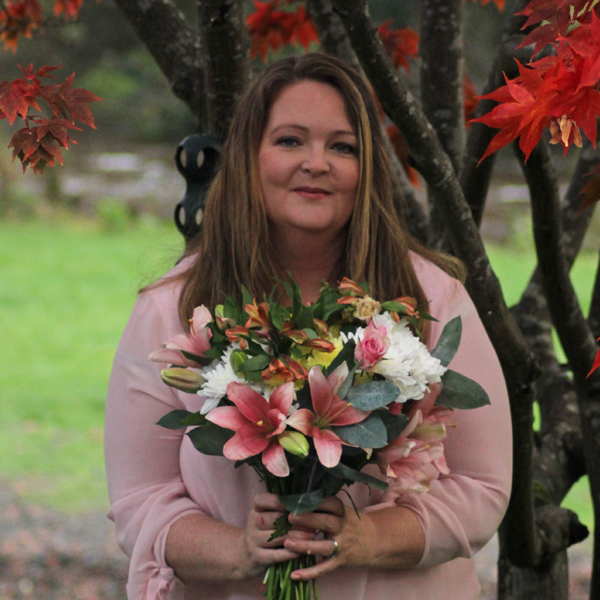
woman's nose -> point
(316, 161)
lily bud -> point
(184, 380)
(238, 358)
(220, 311)
(294, 442)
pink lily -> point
(196, 342)
(257, 422)
(330, 411)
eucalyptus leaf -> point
(370, 433)
(342, 471)
(394, 424)
(210, 438)
(347, 383)
(302, 503)
(461, 392)
(372, 395)
(449, 340)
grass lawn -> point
(66, 291)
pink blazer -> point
(155, 476)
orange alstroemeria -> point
(319, 344)
(347, 285)
(290, 370)
(259, 315)
(233, 335)
(409, 304)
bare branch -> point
(173, 45)
(225, 46)
(518, 366)
(442, 66)
(474, 177)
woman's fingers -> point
(267, 502)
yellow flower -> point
(324, 359)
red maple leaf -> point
(69, 7)
(72, 103)
(471, 99)
(19, 18)
(558, 92)
(499, 3)
(399, 44)
(401, 151)
(271, 28)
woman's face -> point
(308, 161)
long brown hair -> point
(235, 248)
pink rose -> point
(372, 347)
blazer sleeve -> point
(462, 510)
(145, 487)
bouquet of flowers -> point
(308, 395)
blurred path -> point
(47, 555)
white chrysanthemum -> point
(219, 374)
(407, 363)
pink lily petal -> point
(343, 413)
(328, 446)
(201, 341)
(251, 404)
(201, 317)
(430, 432)
(337, 377)
(227, 416)
(277, 420)
(241, 446)
(426, 404)
(274, 459)
(302, 420)
(282, 397)
(322, 396)
(172, 357)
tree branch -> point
(442, 65)
(173, 45)
(517, 363)
(571, 326)
(474, 177)
(225, 46)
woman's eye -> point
(344, 148)
(287, 142)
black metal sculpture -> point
(197, 158)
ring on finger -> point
(336, 547)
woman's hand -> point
(388, 538)
(257, 552)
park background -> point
(75, 246)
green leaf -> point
(449, 340)
(302, 503)
(210, 438)
(202, 360)
(394, 424)
(304, 319)
(177, 419)
(282, 527)
(311, 334)
(461, 392)
(370, 433)
(345, 355)
(341, 471)
(256, 363)
(393, 306)
(247, 297)
(231, 310)
(372, 395)
(278, 314)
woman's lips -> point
(312, 193)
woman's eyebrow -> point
(305, 129)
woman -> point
(304, 187)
